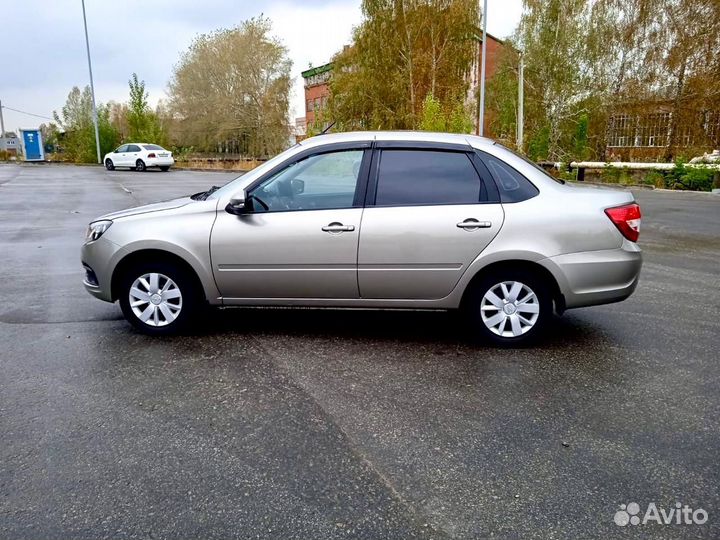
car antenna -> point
(324, 131)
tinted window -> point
(153, 147)
(513, 186)
(317, 182)
(133, 148)
(122, 149)
(426, 177)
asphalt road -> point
(346, 424)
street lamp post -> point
(92, 86)
(521, 104)
(481, 119)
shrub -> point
(655, 179)
(697, 178)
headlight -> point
(96, 229)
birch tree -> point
(403, 52)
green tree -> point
(75, 120)
(143, 124)
(402, 52)
(435, 118)
(230, 91)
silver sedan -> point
(375, 220)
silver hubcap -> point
(510, 309)
(155, 299)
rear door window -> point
(427, 177)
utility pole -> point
(2, 122)
(481, 119)
(92, 86)
(521, 104)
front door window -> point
(319, 182)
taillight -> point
(627, 219)
(151, 155)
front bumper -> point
(592, 278)
(99, 259)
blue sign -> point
(32, 145)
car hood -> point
(155, 207)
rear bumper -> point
(591, 278)
(160, 162)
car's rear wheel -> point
(509, 307)
(165, 168)
(109, 165)
(158, 298)
(140, 165)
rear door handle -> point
(471, 224)
(337, 227)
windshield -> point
(153, 147)
(531, 162)
(234, 185)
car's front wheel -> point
(109, 165)
(158, 298)
(509, 307)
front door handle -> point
(337, 227)
(471, 224)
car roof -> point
(415, 136)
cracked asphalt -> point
(346, 424)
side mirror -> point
(237, 206)
(297, 186)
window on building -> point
(310, 105)
(711, 126)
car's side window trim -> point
(488, 186)
(493, 194)
(361, 183)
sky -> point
(44, 45)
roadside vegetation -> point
(409, 66)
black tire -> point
(191, 300)
(493, 282)
(165, 168)
(109, 165)
(140, 166)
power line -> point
(28, 113)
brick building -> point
(317, 94)
(493, 51)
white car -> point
(139, 156)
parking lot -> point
(304, 423)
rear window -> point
(426, 177)
(153, 147)
(513, 186)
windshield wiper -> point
(203, 195)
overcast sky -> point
(43, 54)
